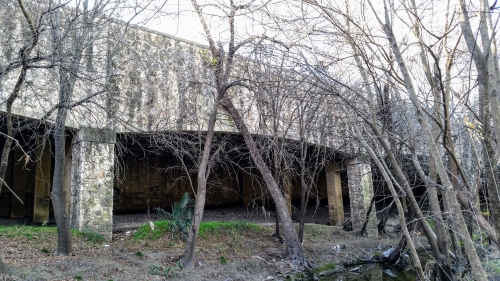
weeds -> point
(155, 269)
(139, 254)
(89, 235)
(172, 270)
(223, 260)
(78, 277)
(45, 251)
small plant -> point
(90, 235)
(172, 269)
(78, 277)
(45, 251)
(223, 260)
(155, 269)
(139, 254)
(181, 216)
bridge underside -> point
(108, 173)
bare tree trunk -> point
(395, 195)
(303, 190)
(445, 272)
(188, 255)
(276, 162)
(61, 214)
(294, 249)
(486, 62)
(367, 217)
(448, 192)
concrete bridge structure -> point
(141, 83)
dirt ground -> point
(252, 255)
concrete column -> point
(334, 192)
(19, 185)
(41, 196)
(92, 181)
(360, 184)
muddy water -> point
(374, 272)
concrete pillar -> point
(43, 178)
(19, 185)
(334, 192)
(360, 184)
(92, 181)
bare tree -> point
(223, 65)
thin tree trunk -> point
(61, 214)
(449, 193)
(399, 206)
(294, 249)
(201, 193)
(367, 217)
(303, 188)
(445, 272)
(276, 163)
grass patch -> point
(325, 267)
(89, 235)
(30, 232)
(233, 228)
(145, 232)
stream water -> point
(374, 272)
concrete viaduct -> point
(159, 84)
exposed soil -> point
(253, 255)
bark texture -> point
(294, 249)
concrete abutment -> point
(92, 181)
